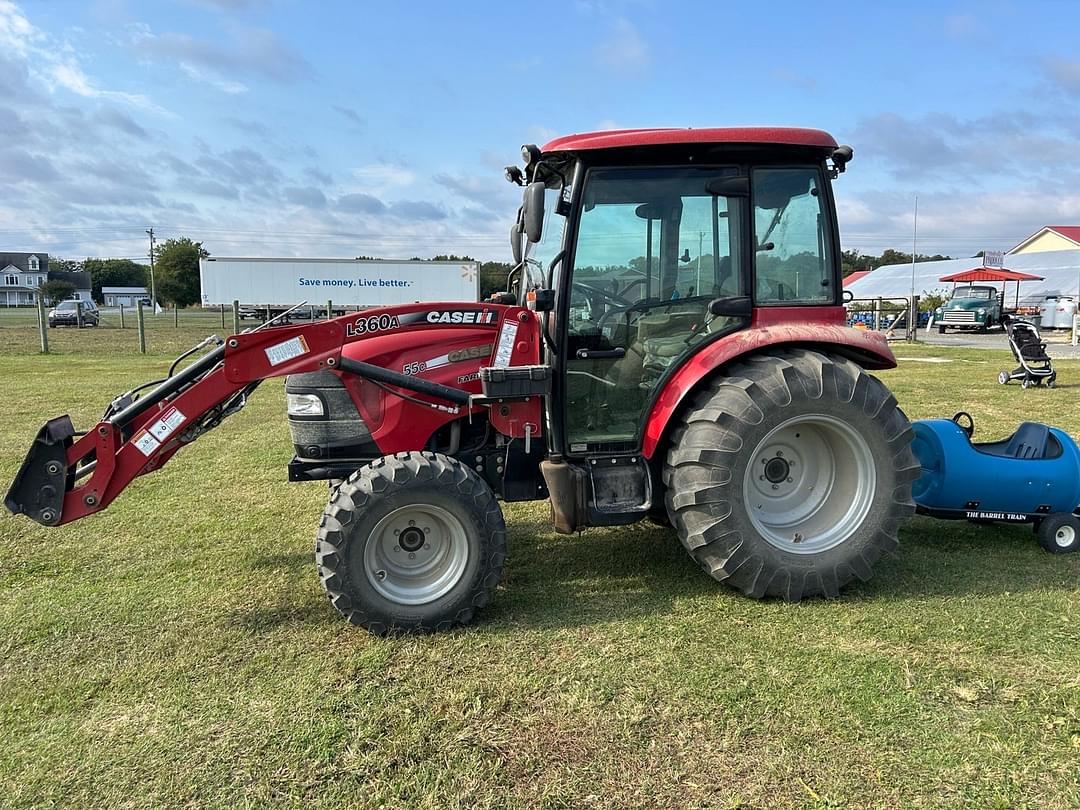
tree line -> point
(852, 260)
(176, 273)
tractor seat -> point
(1031, 440)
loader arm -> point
(68, 475)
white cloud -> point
(55, 62)
(625, 50)
(249, 51)
(382, 177)
(16, 33)
(224, 85)
(69, 76)
(1065, 73)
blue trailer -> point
(1033, 476)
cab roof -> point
(621, 138)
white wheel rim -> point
(810, 484)
(416, 554)
(1064, 536)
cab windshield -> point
(974, 292)
(67, 306)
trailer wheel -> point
(411, 542)
(790, 475)
(1059, 533)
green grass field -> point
(178, 650)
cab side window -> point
(793, 249)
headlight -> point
(981, 311)
(937, 311)
(305, 405)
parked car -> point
(973, 307)
(74, 313)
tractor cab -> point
(653, 245)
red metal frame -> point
(770, 327)
(123, 455)
(611, 139)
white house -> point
(124, 296)
(21, 274)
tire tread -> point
(384, 475)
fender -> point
(869, 349)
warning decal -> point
(167, 424)
(506, 344)
(146, 443)
(286, 350)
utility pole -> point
(153, 292)
(914, 243)
(913, 315)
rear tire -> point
(1059, 533)
(754, 446)
(412, 542)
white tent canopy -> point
(1060, 270)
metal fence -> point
(142, 323)
(888, 315)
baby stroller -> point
(1029, 350)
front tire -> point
(412, 542)
(790, 475)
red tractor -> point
(671, 345)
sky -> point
(285, 128)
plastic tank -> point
(1057, 312)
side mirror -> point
(515, 241)
(533, 209)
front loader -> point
(671, 345)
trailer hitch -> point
(39, 486)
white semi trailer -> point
(273, 285)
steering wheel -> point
(969, 429)
(611, 298)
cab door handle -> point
(600, 354)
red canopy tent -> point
(992, 274)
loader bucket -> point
(39, 486)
